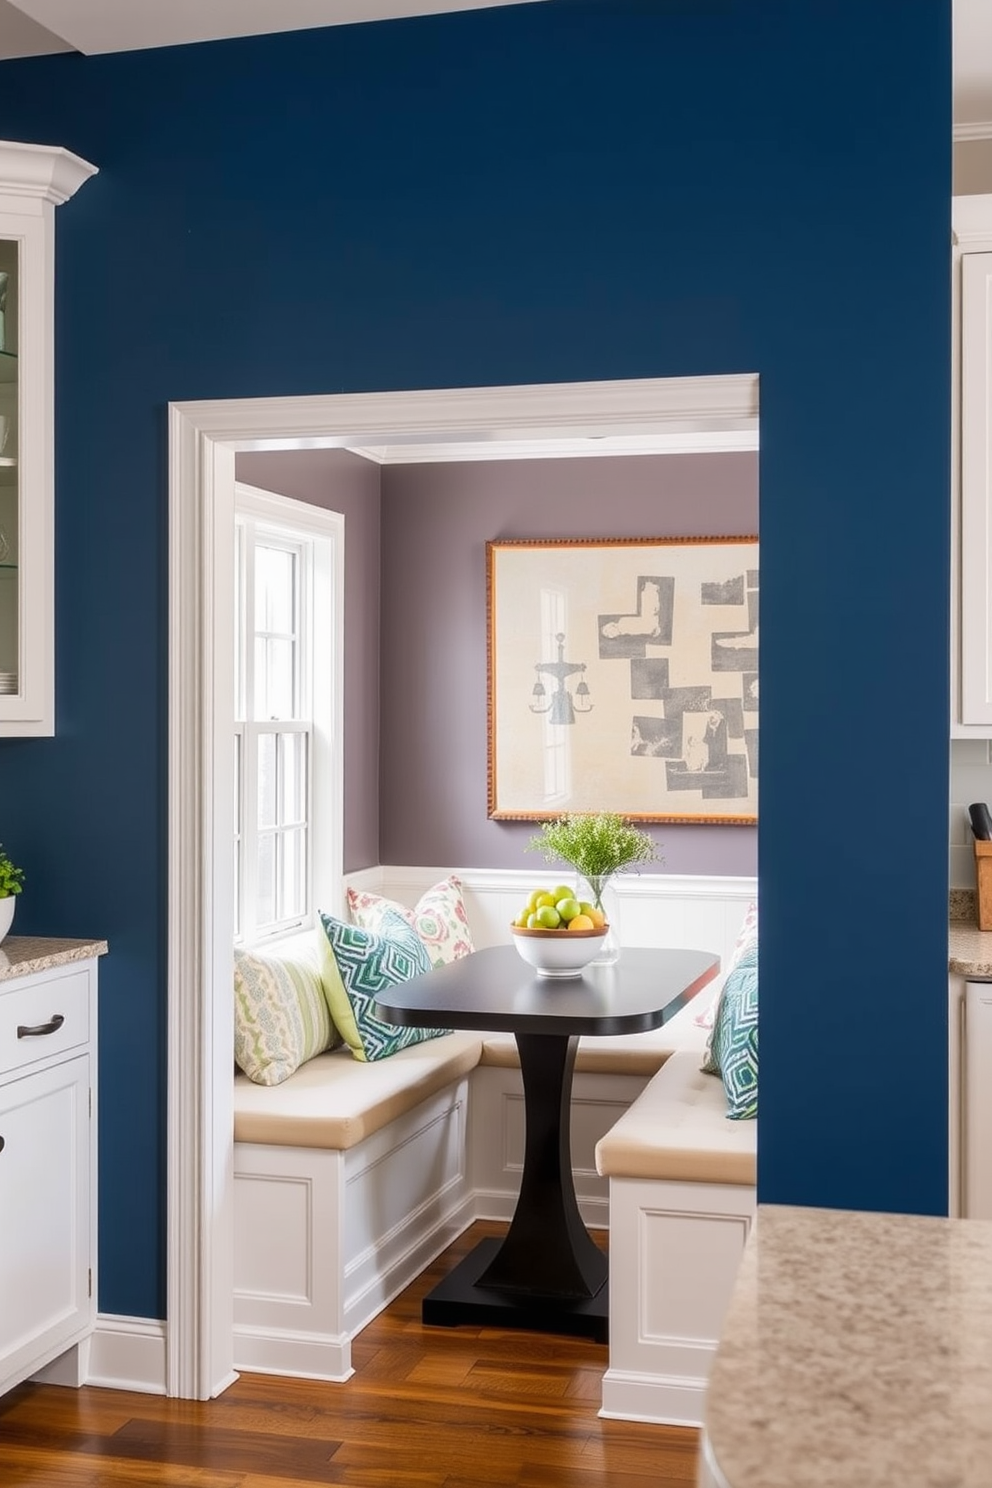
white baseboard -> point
(300, 1355)
(122, 1353)
(652, 1398)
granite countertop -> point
(857, 1350)
(20, 955)
(969, 949)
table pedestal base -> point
(458, 1300)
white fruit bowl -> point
(558, 953)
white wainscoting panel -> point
(663, 1338)
(496, 1138)
(699, 913)
(355, 1228)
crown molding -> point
(47, 172)
(700, 442)
(669, 406)
(971, 221)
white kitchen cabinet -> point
(971, 628)
(33, 180)
(47, 1163)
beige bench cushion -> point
(621, 1053)
(677, 1129)
(335, 1101)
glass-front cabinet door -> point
(34, 179)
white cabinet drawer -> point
(43, 1017)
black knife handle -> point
(981, 821)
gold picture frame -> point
(623, 676)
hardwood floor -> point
(425, 1408)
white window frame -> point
(318, 536)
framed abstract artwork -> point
(623, 676)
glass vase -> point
(600, 891)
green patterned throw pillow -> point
(281, 1018)
(732, 1051)
(359, 963)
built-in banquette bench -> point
(351, 1177)
(682, 1198)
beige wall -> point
(972, 167)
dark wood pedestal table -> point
(547, 1273)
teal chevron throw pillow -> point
(732, 1051)
(359, 963)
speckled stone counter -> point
(969, 949)
(857, 1351)
(20, 955)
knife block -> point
(983, 876)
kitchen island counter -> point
(857, 1350)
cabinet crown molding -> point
(46, 171)
(971, 220)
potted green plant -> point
(598, 845)
(11, 883)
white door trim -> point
(203, 439)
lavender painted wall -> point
(342, 482)
(436, 520)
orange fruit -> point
(597, 917)
(581, 922)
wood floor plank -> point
(425, 1408)
(26, 1468)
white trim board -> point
(203, 439)
(123, 1353)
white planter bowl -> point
(558, 953)
(7, 904)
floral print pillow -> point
(439, 918)
(748, 931)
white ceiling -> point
(32, 27)
(127, 25)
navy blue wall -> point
(557, 192)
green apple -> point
(568, 908)
(548, 917)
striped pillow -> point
(281, 1017)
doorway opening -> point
(574, 420)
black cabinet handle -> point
(3, 1143)
(52, 1026)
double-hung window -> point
(287, 776)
